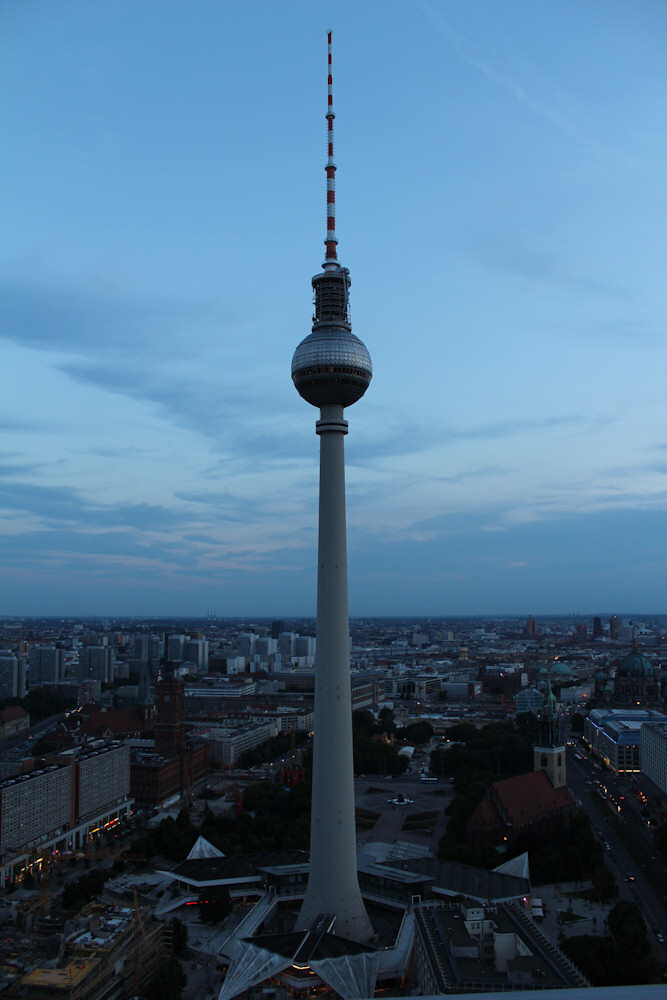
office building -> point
(45, 665)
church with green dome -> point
(636, 679)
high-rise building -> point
(196, 651)
(9, 674)
(60, 805)
(96, 663)
(174, 646)
(305, 645)
(266, 646)
(331, 370)
(286, 643)
(140, 646)
(247, 643)
(277, 628)
(45, 664)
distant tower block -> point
(332, 369)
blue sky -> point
(501, 206)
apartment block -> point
(228, 742)
(45, 665)
(58, 807)
(96, 663)
(653, 738)
(9, 674)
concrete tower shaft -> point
(333, 885)
(331, 369)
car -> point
(660, 937)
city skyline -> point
(503, 161)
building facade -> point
(653, 739)
(614, 734)
(61, 806)
(45, 665)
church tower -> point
(169, 726)
(145, 703)
(549, 751)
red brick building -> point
(523, 804)
(13, 720)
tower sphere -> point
(331, 366)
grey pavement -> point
(376, 794)
(558, 898)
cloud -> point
(611, 560)
(16, 468)
(230, 417)
(224, 506)
(152, 351)
(556, 108)
(507, 256)
(383, 440)
(92, 319)
(635, 333)
(65, 506)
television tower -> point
(332, 369)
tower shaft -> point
(333, 885)
(332, 369)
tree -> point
(526, 724)
(363, 721)
(386, 721)
(168, 982)
(179, 936)
(604, 883)
(628, 928)
(373, 757)
(417, 732)
(577, 723)
(660, 837)
(606, 963)
(463, 731)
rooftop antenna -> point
(331, 258)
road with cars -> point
(630, 854)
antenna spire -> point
(331, 257)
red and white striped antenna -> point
(331, 257)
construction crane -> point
(138, 926)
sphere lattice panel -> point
(331, 366)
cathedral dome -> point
(556, 670)
(561, 670)
(635, 664)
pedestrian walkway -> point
(583, 915)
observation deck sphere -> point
(331, 366)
